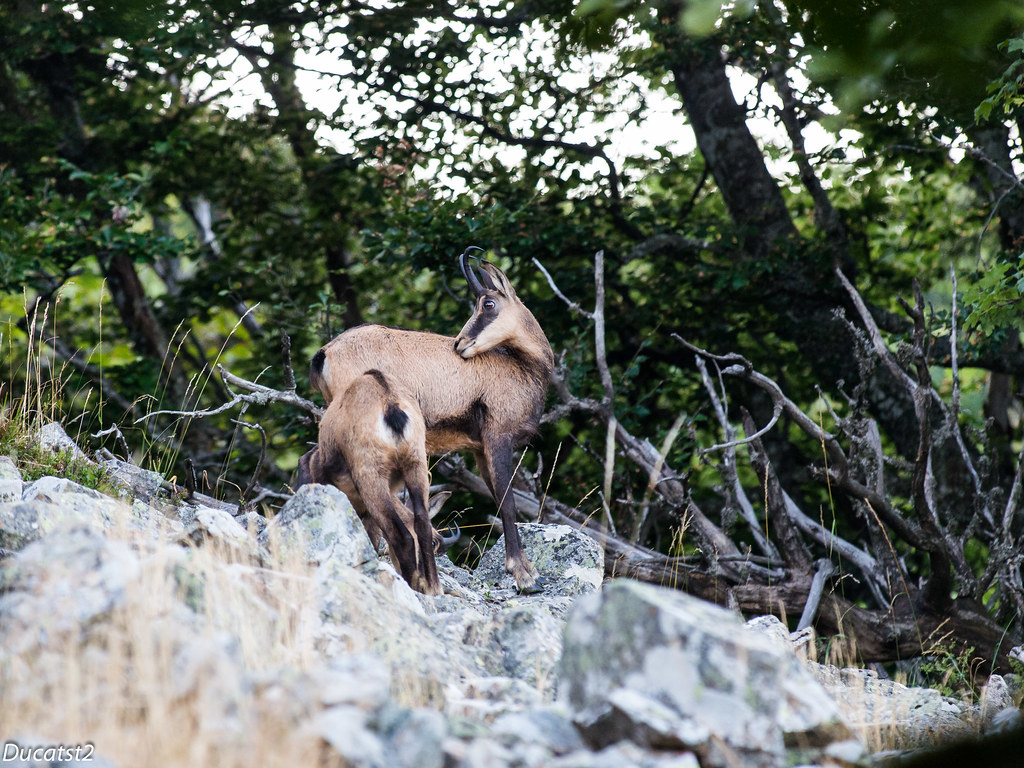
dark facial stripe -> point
(479, 324)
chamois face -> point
(496, 319)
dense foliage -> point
(184, 183)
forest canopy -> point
(776, 246)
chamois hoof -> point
(533, 589)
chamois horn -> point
(468, 273)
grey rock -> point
(523, 640)
(74, 578)
(627, 754)
(52, 504)
(318, 525)
(995, 697)
(642, 719)
(52, 435)
(486, 698)
(700, 664)
(357, 679)
(10, 480)
(884, 710)
(1017, 653)
(413, 738)
(1005, 720)
(482, 752)
(771, 626)
(217, 525)
(135, 482)
(359, 615)
(345, 729)
(546, 726)
(570, 562)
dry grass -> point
(171, 673)
(882, 713)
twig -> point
(573, 306)
(259, 462)
(116, 432)
(286, 362)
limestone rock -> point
(52, 435)
(549, 727)
(523, 639)
(135, 482)
(51, 504)
(318, 524)
(485, 698)
(570, 562)
(10, 480)
(217, 525)
(697, 661)
(995, 697)
(903, 717)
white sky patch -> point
(328, 85)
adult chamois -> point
(481, 391)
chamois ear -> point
(496, 280)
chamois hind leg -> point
(497, 466)
(417, 483)
(383, 514)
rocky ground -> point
(155, 630)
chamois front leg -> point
(497, 466)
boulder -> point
(52, 436)
(51, 504)
(134, 482)
(522, 639)
(318, 525)
(661, 668)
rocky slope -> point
(160, 631)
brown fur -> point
(364, 457)
(482, 391)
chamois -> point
(311, 461)
(372, 439)
(482, 391)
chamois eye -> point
(488, 304)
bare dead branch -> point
(821, 575)
(729, 464)
(116, 432)
(258, 395)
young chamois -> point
(372, 440)
(482, 391)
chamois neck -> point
(533, 347)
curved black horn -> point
(446, 541)
(467, 271)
